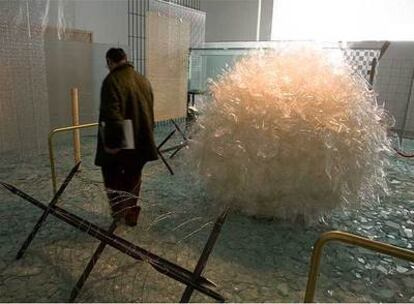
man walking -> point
(125, 136)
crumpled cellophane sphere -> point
(289, 133)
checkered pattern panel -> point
(360, 60)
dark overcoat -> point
(126, 94)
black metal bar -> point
(166, 139)
(90, 266)
(182, 145)
(372, 71)
(42, 219)
(176, 148)
(407, 107)
(162, 156)
(163, 266)
(179, 148)
(178, 128)
(384, 49)
(166, 163)
(202, 261)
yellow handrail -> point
(51, 152)
(351, 239)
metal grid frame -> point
(361, 60)
(137, 28)
(136, 32)
(395, 86)
(195, 4)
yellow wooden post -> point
(75, 122)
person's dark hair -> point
(116, 55)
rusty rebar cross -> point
(175, 148)
(45, 214)
(193, 280)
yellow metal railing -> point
(351, 239)
(51, 152)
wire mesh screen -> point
(184, 9)
(136, 32)
(197, 20)
(211, 60)
(195, 4)
(361, 60)
(394, 84)
(24, 112)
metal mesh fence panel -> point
(394, 85)
(23, 88)
(196, 19)
(361, 60)
(185, 9)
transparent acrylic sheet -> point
(211, 59)
(392, 79)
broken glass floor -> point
(254, 260)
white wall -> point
(106, 19)
(82, 65)
(236, 20)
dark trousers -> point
(122, 187)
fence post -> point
(75, 122)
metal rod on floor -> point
(166, 163)
(179, 129)
(163, 266)
(90, 266)
(202, 261)
(351, 239)
(169, 149)
(178, 149)
(42, 219)
(166, 139)
(174, 148)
